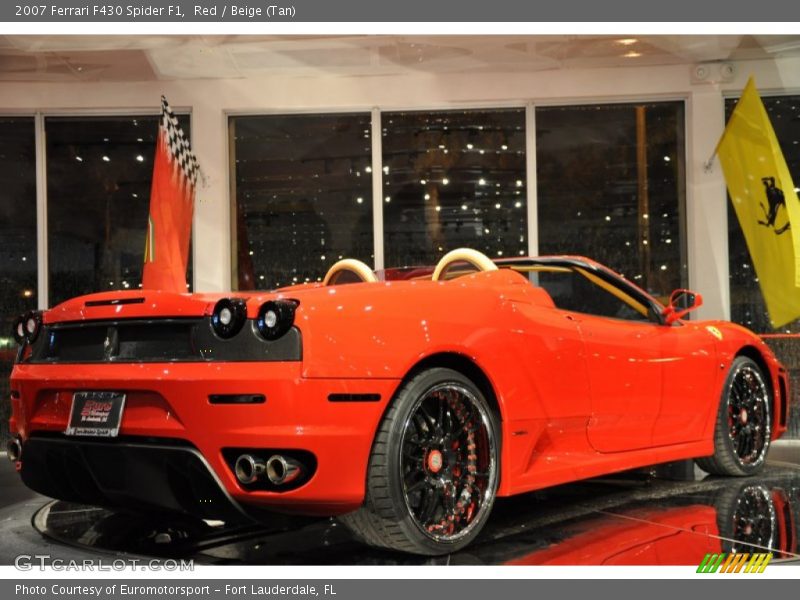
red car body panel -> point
(681, 536)
(673, 536)
(578, 395)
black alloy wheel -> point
(744, 426)
(434, 467)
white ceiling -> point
(148, 58)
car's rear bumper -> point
(163, 475)
(171, 401)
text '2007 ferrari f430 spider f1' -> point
(403, 403)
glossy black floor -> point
(628, 519)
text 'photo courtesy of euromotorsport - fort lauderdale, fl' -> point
(183, 590)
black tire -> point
(434, 468)
(744, 422)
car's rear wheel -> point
(744, 425)
(433, 470)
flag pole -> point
(708, 166)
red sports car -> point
(403, 403)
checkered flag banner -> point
(172, 193)
(178, 146)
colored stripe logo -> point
(734, 563)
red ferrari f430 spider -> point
(403, 402)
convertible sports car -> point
(403, 403)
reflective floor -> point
(628, 519)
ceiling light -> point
(627, 41)
(632, 54)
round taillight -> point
(228, 317)
(32, 324)
(275, 318)
(19, 330)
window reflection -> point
(453, 179)
(99, 171)
(611, 187)
(303, 194)
(18, 250)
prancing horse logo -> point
(775, 200)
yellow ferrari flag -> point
(766, 204)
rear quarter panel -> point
(381, 330)
(504, 325)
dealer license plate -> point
(96, 414)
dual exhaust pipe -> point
(14, 450)
(278, 469)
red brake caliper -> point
(465, 506)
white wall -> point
(212, 100)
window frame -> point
(595, 270)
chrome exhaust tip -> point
(282, 470)
(14, 449)
(248, 468)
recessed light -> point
(627, 41)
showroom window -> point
(747, 302)
(302, 187)
(611, 186)
(18, 232)
(99, 171)
(453, 179)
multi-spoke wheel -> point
(433, 470)
(743, 427)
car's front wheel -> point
(433, 470)
(744, 422)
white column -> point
(530, 180)
(42, 262)
(377, 188)
(213, 205)
(706, 210)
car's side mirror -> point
(681, 303)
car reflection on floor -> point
(623, 520)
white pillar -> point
(531, 181)
(212, 211)
(377, 189)
(706, 210)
